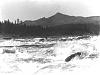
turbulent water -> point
(38, 56)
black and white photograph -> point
(49, 37)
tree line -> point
(21, 29)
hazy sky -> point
(34, 9)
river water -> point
(40, 56)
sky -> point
(35, 9)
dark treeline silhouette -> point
(21, 29)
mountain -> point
(56, 25)
(62, 25)
(61, 19)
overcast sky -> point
(35, 9)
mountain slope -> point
(60, 19)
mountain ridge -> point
(60, 19)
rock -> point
(8, 51)
(72, 56)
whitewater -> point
(40, 56)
